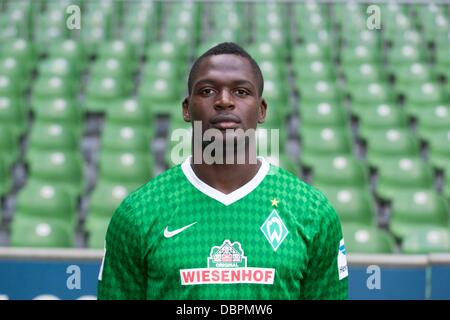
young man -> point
(224, 231)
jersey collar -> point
(229, 198)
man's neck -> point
(226, 178)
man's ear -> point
(262, 110)
(186, 114)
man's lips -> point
(226, 125)
(228, 121)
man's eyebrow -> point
(212, 81)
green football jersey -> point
(176, 237)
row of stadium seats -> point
(86, 116)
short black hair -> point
(227, 48)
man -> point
(224, 231)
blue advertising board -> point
(76, 278)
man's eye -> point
(242, 92)
(206, 91)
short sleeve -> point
(122, 275)
(327, 274)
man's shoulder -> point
(290, 181)
(299, 192)
(157, 187)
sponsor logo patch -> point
(227, 264)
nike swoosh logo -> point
(170, 234)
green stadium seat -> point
(159, 96)
(418, 95)
(317, 142)
(395, 175)
(276, 37)
(59, 110)
(379, 116)
(40, 232)
(363, 73)
(409, 37)
(388, 143)
(340, 171)
(9, 149)
(370, 93)
(359, 36)
(431, 119)
(101, 92)
(442, 56)
(106, 198)
(22, 50)
(266, 50)
(168, 50)
(70, 50)
(322, 114)
(140, 24)
(13, 115)
(436, 26)
(162, 69)
(395, 23)
(272, 71)
(405, 75)
(120, 50)
(60, 169)
(446, 183)
(310, 51)
(277, 103)
(12, 86)
(50, 27)
(40, 199)
(404, 54)
(313, 23)
(129, 112)
(58, 67)
(313, 71)
(111, 67)
(353, 205)
(410, 209)
(358, 55)
(367, 239)
(5, 179)
(319, 91)
(438, 147)
(13, 67)
(426, 240)
(52, 136)
(133, 169)
(97, 232)
(125, 138)
(46, 88)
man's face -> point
(225, 95)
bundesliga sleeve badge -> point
(342, 261)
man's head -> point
(225, 90)
(226, 48)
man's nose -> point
(224, 100)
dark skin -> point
(225, 95)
